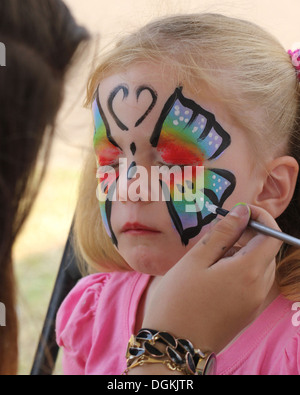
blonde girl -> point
(189, 91)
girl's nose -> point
(134, 183)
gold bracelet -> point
(148, 360)
(177, 354)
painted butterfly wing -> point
(185, 122)
(199, 137)
(189, 214)
(107, 178)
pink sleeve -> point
(291, 365)
(75, 321)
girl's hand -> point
(215, 290)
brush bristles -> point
(212, 208)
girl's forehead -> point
(131, 100)
(148, 105)
(157, 76)
(141, 80)
(144, 104)
(137, 73)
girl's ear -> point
(279, 185)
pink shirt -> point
(97, 319)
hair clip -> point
(295, 57)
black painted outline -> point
(110, 101)
(125, 90)
(108, 209)
(133, 148)
(131, 172)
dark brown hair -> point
(41, 38)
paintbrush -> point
(259, 227)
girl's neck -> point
(272, 295)
(145, 300)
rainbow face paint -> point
(107, 155)
(186, 134)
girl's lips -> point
(136, 228)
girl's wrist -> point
(152, 347)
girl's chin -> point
(151, 257)
(150, 265)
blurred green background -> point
(39, 249)
(38, 257)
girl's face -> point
(163, 155)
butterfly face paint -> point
(186, 134)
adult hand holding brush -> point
(216, 290)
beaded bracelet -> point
(177, 354)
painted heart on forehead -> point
(143, 98)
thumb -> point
(222, 237)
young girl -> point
(218, 97)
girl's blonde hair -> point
(253, 76)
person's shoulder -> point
(285, 339)
(89, 288)
(78, 309)
(292, 349)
